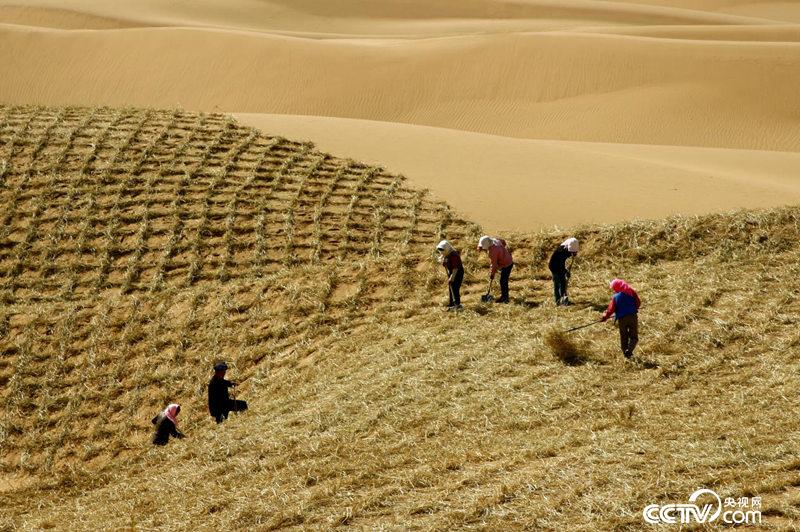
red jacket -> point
(500, 256)
(452, 262)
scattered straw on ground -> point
(564, 348)
(139, 246)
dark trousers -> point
(628, 333)
(559, 285)
(505, 274)
(232, 406)
(455, 288)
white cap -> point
(485, 242)
(571, 244)
(443, 245)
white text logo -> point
(743, 511)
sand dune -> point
(521, 183)
(765, 34)
(55, 17)
(568, 86)
(709, 74)
(401, 16)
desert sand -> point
(517, 184)
(529, 113)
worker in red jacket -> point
(500, 258)
(624, 306)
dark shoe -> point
(502, 300)
(628, 354)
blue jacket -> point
(623, 305)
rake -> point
(583, 326)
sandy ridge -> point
(517, 184)
(598, 88)
(358, 16)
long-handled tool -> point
(572, 263)
(450, 289)
(583, 326)
(567, 277)
(487, 297)
(235, 404)
(569, 270)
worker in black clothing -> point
(451, 260)
(558, 267)
(166, 423)
(219, 404)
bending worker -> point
(219, 404)
(625, 305)
(501, 259)
(166, 423)
(451, 260)
(558, 267)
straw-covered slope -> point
(138, 246)
(126, 222)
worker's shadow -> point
(527, 303)
(644, 363)
(599, 307)
(481, 309)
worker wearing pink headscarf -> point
(624, 306)
(166, 423)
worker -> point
(500, 259)
(558, 268)
(219, 403)
(451, 260)
(166, 423)
(624, 305)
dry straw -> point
(370, 405)
(564, 348)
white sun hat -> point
(485, 242)
(571, 244)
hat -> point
(443, 245)
(571, 244)
(618, 285)
(485, 242)
(220, 366)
